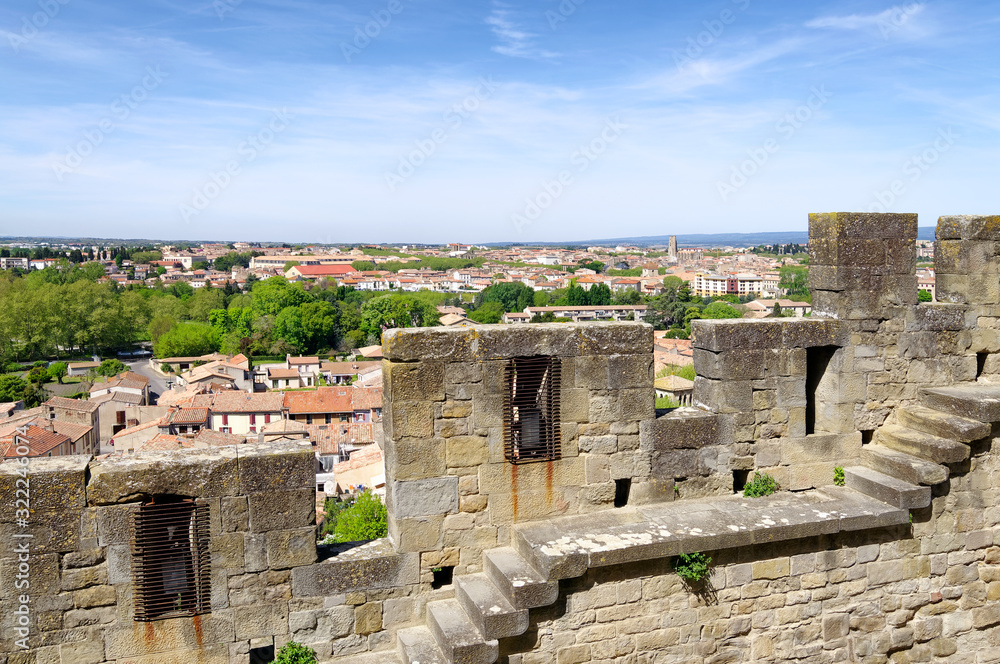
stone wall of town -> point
(452, 493)
(924, 592)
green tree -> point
(489, 314)
(795, 280)
(57, 370)
(511, 295)
(599, 295)
(111, 367)
(187, 340)
(924, 296)
(182, 290)
(397, 310)
(272, 295)
(11, 388)
(721, 309)
(364, 519)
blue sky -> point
(489, 120)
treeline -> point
(54, 313)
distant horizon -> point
(922, 231)
(500, 120)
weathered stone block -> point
(136, 639)
(862, 225)
(720, 335)
(465, 451)
(352, 568)
(235, 514)
(683, 429)
(456, 409)
(261, 620)
(412, 419)
(968, 227)
(415, 458)
(677, 464)
(626, 371)
(820, 447)
(723, 396)
(201, 473)
(282, 510)
(290, 548)
(418, 344)
(812, 332)
(416, 534)
(590, 372)
(599, 444)
(424, 497)
(508, 478)
(227, 550)
(575, 405)
(281, 467)
(368, 618)
(638, 404)
(56, 483)
(414, 381)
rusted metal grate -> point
(170, 559)
(531, 409)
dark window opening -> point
(817, 360)
(740, 479)
(622, 488)
(981, 363)
(262, 655)
(531, 409)
(442, 576)
(866, 436)
(170, 559)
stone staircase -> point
(899, 467)
(494, 604)
(905, 459)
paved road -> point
(157, 384)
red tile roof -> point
(39, 441)
(72, 404)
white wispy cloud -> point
(514, 41)
(894, 19)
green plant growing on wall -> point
(295, 653)
(761, 485)
(838, 476)
(692, 567)
(363, 518)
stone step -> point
(973, 400)
(381, 657)
(457, 636)
(519, 582)
(940, 423)
(903, 466)
(888, 489)
(923, 445)
(488, 609)
(417, 646)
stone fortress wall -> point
(569, 559)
